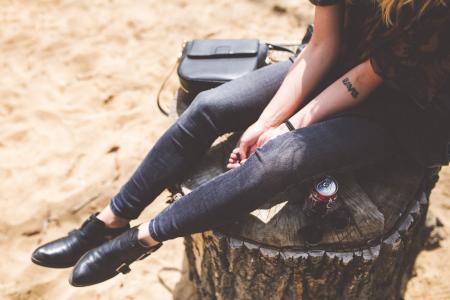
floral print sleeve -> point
(416, 61)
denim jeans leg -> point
(232, 106)
(332, 145)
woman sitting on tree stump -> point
(370, 85)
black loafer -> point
(110, 259)
(65, 252)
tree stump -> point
(264, 256)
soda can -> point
(322, 198)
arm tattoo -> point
(350, 87)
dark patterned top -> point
(413, 59)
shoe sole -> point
(73, 284)
(53, 266)
(70, 279)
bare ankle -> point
(144, 235)
(111, 220)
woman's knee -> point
(208, 110)
(281, 156)
(205, 102)
(201, 105)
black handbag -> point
(206, 64)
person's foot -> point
(66, 251)
(110, 259)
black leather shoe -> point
(65, 252)
(110, 259)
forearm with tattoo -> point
(350, 87)
(348, 91)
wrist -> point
(299, 119)
(266, 124)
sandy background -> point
(78, 81)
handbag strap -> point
(163, 85)
(280, 47)
(284, 47)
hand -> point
(246, 144)
(270, 134)
(254, 137)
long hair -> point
(391, 9)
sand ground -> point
(78, 81)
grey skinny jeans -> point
(340, 142)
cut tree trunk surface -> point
(263, 255)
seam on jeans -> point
(155, 234)
(118, 212)
(114, 209)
